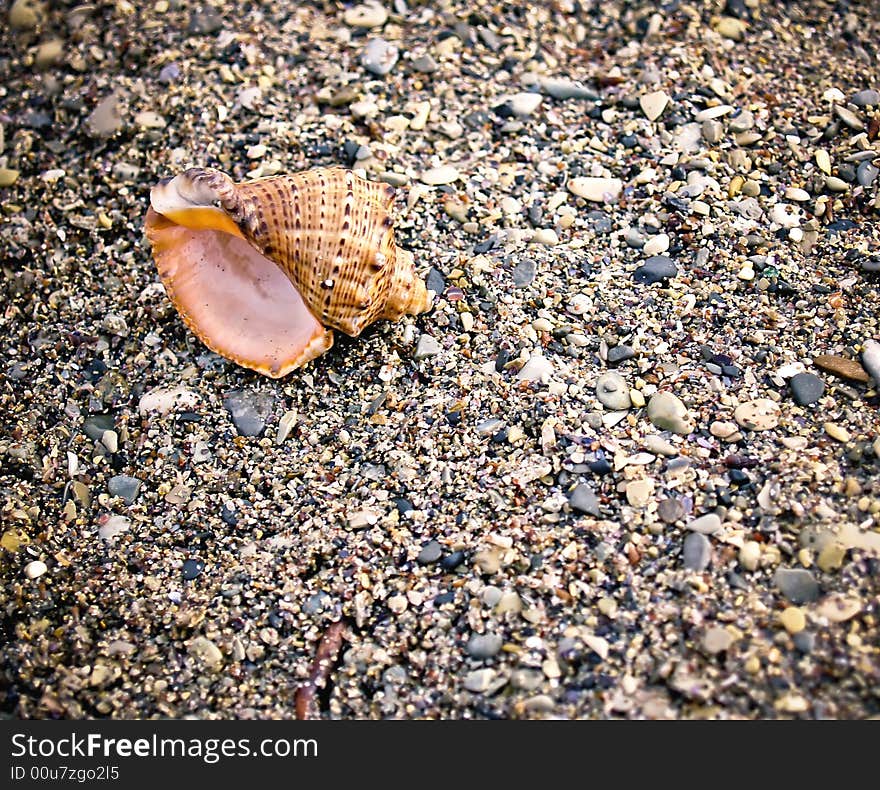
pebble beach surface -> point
(628, 465)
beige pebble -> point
(750, 555)
(836, 431)
(793, 619)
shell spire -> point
(263, 271)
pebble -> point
(712, 131)
(866, 98)
(697, 551)
(613, 391)
(480, 680)
(796, 584)
(668, 413)
(524, 104)
(584, 500)
(537, 368)
(166, 399)
(106, 119)
(835, 184)
(639, 492)
(806, 388)
(430, 553)
(730, 27)
(365, 15)
(707, 524)
(653, 104)
(546, 236)
(867, 173)
(655, 270)
(8, 176)
(482, 646)
(793, 619)
(761, 414)
(823, 160)
(48, 53)
(113, 526)
(717, 639)
(841, 366)
(125, 487)
(670, 510)
(436, 176)
(837, 432)
(750, 555)
(599, 190)
(192, 568)
(656, 244)
(249, 410)
(26, 15)
(35, 569)
(839, 607)
(379, 56)
(849, 117)
(619, 354)
(871, 359)
(524, 273)
(204, 650)
(428, 346)
(561, 88)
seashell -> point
(264, 271)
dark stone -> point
(452, 561)
(192, 568)
(600, 222)
(867, 173)
(435, 281)
(796, 584)
(600, 466)
(804, 641)
(430, 553)
(697, 551)
(619, 354)
(840, 225)
(403, 505)
(655, 269)
(205, 23)
(501, 360)
(847, 172)
(96, 424)
(249, 410)
(806, 388)
(871, 264)
(228, 515)
(447, 597)
(524, 273)
(584, 500)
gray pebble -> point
(561, 88)
(707, 524)
(435, 281)
(866, 98)
(584, 500)
(249, 410)
(697, 552)
(379, 56)
(867, 173)
(480, 680)
(125, 487)
(484, 645)
(670, 510)
(796, 584)
(317, 603)
(667, 412)
(619, 354)
(425, 64)
(613, 391)
(806, 388)
(526, 679)
(427, 347)
(95, 425)
(524, 273)
(871, 359)
(431, 552)
(655, 269)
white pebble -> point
(35, 569)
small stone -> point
(797, 194)
(599, 190)
(35, 569)
(620, 354)
(488, 562)
(653, 104)
(524, 273)
(835, 184)
(730, 27)
(838, 607)
(480, 680)
(249, 410)
(806, 388)
(866, 98)
(584, 500)
(867, 173)
(205, 651)
(26, 15)
(750, 555)
(430, 553)
(8, 176)
(697, 551)
(150, 120)
(365, 15)
(125, 487)
(667, 412)
(49, 53)
(192, 568)
(561, 88)
(793, 619)
(656, 244)
(379, 56)
(831, 557)
(655, 269)
(836, 431)
(537, 368)
(841, 366)
(445, 174)
(639, 492)
(712, 131)
(166, 399)
(113, 526)
(427, 346)
(760, 414)
(707, 524)
(546, 236)
(613, 391)
(871, 359)
(823, 160)
(524, 104)
(717, 639)
(849, 117)
(796, 584)
(482, 646)
(425, 64)
(106, 119)
(670, 510)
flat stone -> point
(480, 680)
(839, 607)
(668, 413)
(379, 56)
(670, 510)
(249, 410)
(656, 244)
(841, 366)
(653, 104)
(365, 15)
(561, 88)
(106, 119)
(430, 553)
(599, 190)
(707, 524)
(125, 487)
(613, 391)
(639, 492)
(871, 359)
(717, 639)
(867, 173)
(696, 552)
(655, 269)
(524, 104)
(166, 399)
(428, 346)
(866, 98)
(796, 584)
(482, 646)
(113, 526)
(35, 569)
(760, 414)
(584, 500)
(806, 388)
(436, 176)
(524, 273)
(849, 117)
(537, 368)
(206, 652)
(619, 354)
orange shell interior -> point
(238, 302)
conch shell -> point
(263, 271)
